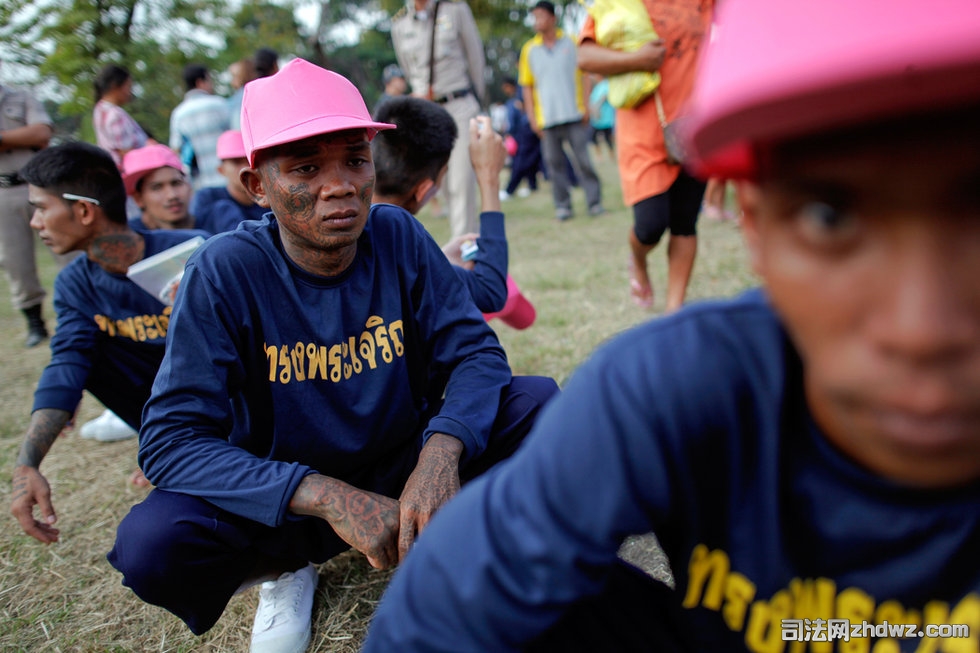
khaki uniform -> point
(17, 240)
(458, 85)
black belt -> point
(454, 95)
(11, 180)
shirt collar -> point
(423, 14)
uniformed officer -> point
(454, 80)
(25, 127)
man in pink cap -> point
(808, 454)
(155, 179)
(223, 207)
(327, 384)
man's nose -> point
(928, 311)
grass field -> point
(65, 597)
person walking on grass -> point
(557, 110)
(663, 195)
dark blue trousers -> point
(634, 613)
(186, 555)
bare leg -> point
(714, 193)
(640, 289)
(680, 262)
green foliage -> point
(68, 41)
(264, 25)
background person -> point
(602, 116)
(556, 108)
(115, 130)
(222, 209)
(394, 85)
(154, 177)
(241, 72)
(195, 125)
(266, 62)
(663, 195)
(410, 163)
(808, 451)
(526, 162)
(25, 128)
(455, 79)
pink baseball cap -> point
(140, 162)
(776, 70)
(299, 101)
(230, 145)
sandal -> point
(642, 297)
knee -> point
(143, 551)
(540, 389)
(526, 396)
(648, 232)
(650, 222)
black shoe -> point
(36, 331)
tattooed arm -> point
(378, 526)
(30, 488)
(433, 482)
(365, 520)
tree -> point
(68, 42)
(264, 24)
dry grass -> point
(65, 597)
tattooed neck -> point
(116, 251)
(319, 262)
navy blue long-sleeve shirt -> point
(487, 281)
(694, 427)
(272, 373)
(110, 336)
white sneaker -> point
(283, 619)
(523, 191)
(107, 427)
(503, 195)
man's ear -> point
(85, 212)
(422, 193)
(253, 186)
(749, 196)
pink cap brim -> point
(315, 127)
(138, 163)
(230, 145)
(780, 70)
(518, 312)
(300, 101)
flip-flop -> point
(642, 297)
(639, 297)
